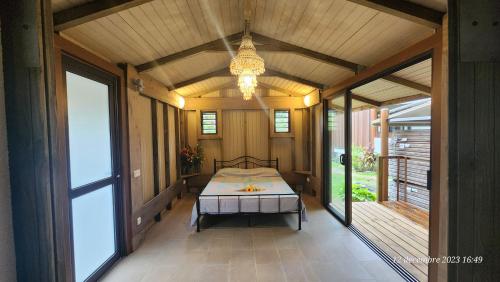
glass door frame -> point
(345, 219)
(81, 68)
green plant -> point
(361, 194)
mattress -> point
(224, 195)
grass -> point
(364, 184)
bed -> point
(226, 192)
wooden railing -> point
(401, 176)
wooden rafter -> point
(268, 45)
(406, 10)
(225, 72)
(90, 11)
(408, 83)
(189, 52)
(221, 72)
(287, 47)
(366, 100)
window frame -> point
(289, 121)
(216, 123)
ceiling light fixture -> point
(247, 65)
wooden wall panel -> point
(233, 134)
(257, 134)
(212, 149)
(171, 144)
(161, 148)
(281, 148)
(299, 140)
(474, 152)
(192, 128)
(141, 148)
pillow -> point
(241, 172)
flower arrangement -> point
(251, 188)
(191, 160)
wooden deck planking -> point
(398, 229)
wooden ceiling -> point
(305, 43)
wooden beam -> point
(305, 52)
(216, 44)
(366, 100)
(270, 72)
(269, 45)
(388, 65)
(226, 72)
(406, 10)
(152, 88)
(221, 72)
(408, 83)
(384, 151)
(90, 11)
(237, 103)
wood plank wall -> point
(316, 126)
(247, 132)
(474, 152)
(413, 144)
(142, 152)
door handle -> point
(342, 159)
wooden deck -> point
(400, 229)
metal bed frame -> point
(248, 162)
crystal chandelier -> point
(247, 65)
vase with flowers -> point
(191, 160)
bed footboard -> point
(259, 198)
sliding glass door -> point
(93, 168)
(337, 197)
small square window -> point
(209, 122)
(282, 121)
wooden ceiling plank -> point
(90, 11)
(279, 89)
(406, 10)
(228, 85)
(188, 52)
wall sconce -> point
(139, 85)
(182, 102)
(307, 100)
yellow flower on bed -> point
(251, 188)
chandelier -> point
(247, 65)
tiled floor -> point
(271, 250)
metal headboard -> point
(245, 162)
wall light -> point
(307, 100)
(182, 102)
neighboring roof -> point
(416, 112)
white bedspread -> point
(234, 201)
